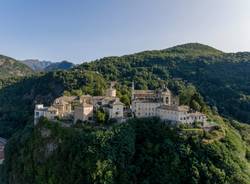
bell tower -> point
(111, 92)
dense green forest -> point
(141, 151)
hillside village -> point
(144, 103)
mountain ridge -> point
(9, 67)
(63, 65)
(45, 66)
(36, 64)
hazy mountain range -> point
(37, 65)
(10, 67)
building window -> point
(37, 113)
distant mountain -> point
(10, 67)
(36, 65)
(195, 49)
(63, 65)
(39, 66)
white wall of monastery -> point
(144, 109)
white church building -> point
(163, 104)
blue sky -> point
(84, 30)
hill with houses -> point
(207, 80)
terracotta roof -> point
(51, 108)
(117, 103)
(84, 105)
(85, 97)
(65, 99)
(113, 102)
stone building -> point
(83, 112)
(64, 104)
(144, 103)
(181, 114)
(163, 104)
(41, 111)
(110, 103)
(82, 107)
(111, 92)
(114, 109)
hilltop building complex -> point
(81, 107)
(144, 103)
(163, 104)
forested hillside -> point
(139, 151)
(142, 151)
(222, 79)
(10, 67)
